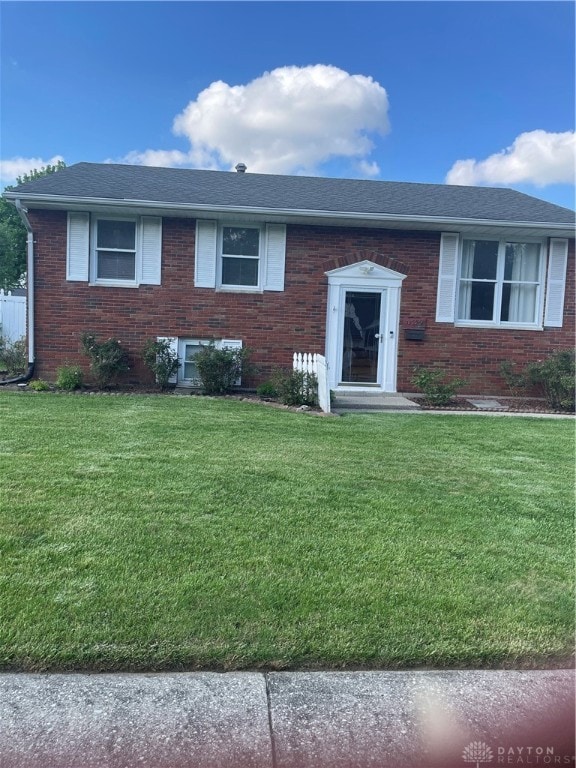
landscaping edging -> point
(511, 405)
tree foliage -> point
(13, 232)
(12, 246)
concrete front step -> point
(368, 401)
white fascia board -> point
(285, 214)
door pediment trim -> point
(365, 271)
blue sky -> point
(469, 92)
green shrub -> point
(555, 378)
(436, 387)
(162, 360)
(267, 390)
(516, 381)
(69, 377)
(107, 360)
(220, 369)
(13, 356)
(296, 387)
(39, 385)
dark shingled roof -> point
(294, 193)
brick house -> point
(380, 277)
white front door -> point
(362, 327)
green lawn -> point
(147, 532)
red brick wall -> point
(273, 325)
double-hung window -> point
(240, 257)
(500, 282)
(115, 250)
(118, 251)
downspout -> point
(29, 298)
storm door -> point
(361, 338)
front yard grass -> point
(148, 533)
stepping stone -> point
(488, 405)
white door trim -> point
(364, 276)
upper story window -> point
(240, 257)
(499, 282)
(115, 250)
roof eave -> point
(80, 203)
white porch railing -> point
(12, 316)
(316, 364)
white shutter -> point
(447, 272)
(174, 348)
(557, 260)
(275, 257)
(151, 249)
(78, 249)
(232, 344)
(205, 259)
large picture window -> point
(500, 282)
(240, 265)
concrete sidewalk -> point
(408, 719)
(379, 402)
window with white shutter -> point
(151, 248)
(557, 260)
(275, 257)
(241, 257)
(447, 274)
(499, 282)
(116, 251)
(205, 256)
(188, 348)
(78, 249)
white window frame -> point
(499, 283)
(220, 258)
(94, 279)
(182, 341)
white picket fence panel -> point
(309, 362)
(12, 316)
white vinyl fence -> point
(12, 316)
(316, 364)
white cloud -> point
(366, 168)
(18, 166)
(289, 120)
(167, 158)
(535, 157)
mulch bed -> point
(509, 404)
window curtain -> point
(522, 268)
(466, 272)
